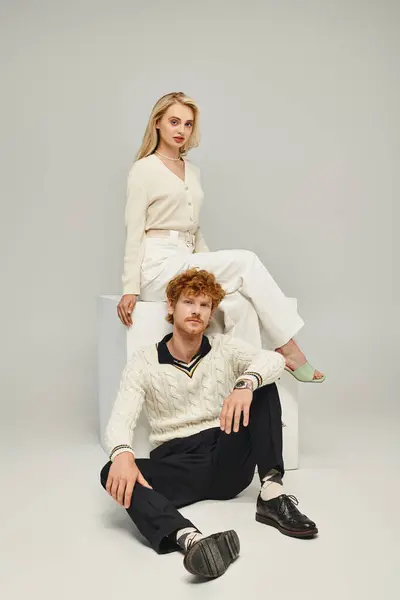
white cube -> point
(116, 343)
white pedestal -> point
(116, 344)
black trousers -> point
(210, 465)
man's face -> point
(191, 314)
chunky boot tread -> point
(211, 556)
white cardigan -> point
(179, 405)
(158, 199)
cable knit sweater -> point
(179, 404)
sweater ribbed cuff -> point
(119, 450)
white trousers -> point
(254, 309)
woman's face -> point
(176, 125)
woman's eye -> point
(174, 122)
(188, 124)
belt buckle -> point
(189, 239)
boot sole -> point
(211, 556)
(291, 533)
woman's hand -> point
(125, 308)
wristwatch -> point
(243, 384)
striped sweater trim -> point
(120, 448)
(256, 375)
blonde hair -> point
(194, 282)
(151, 135)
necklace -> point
(168, 157)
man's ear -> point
(170, 307)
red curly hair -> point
(194, 282)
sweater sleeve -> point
(135, 222)
(200, 243)
(126, 410)
(261, 366)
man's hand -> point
(122, 477)
(236, 403)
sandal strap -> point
(305, 372)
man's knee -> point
(247, 257)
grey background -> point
(300, 160)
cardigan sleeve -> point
(127, 407)
(135, 222)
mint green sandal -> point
(305, 374)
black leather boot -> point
(211, 556)
(282, 513)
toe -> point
(318, 375)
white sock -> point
(272, 486)
(187, 537)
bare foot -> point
(295, 358)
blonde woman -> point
(163, 238)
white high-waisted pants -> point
(254, 309)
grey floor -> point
(63, 537)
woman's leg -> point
(242, 271)
(239, 272)
(237, 317)
(244, 278)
